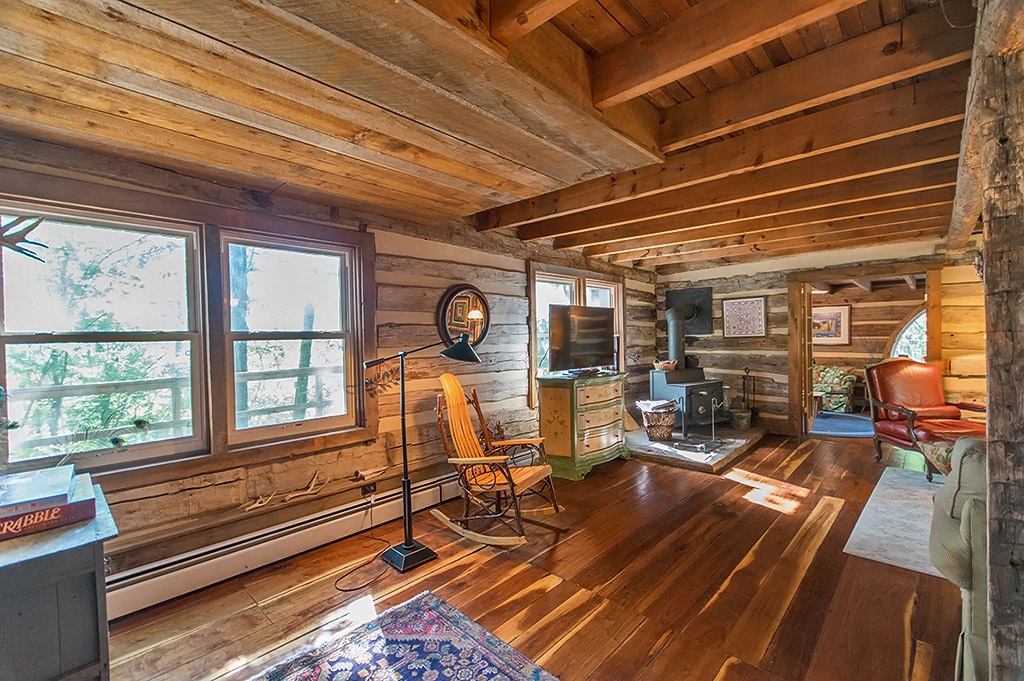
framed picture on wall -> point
(830, 325)
(744, 317)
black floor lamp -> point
(411, 553)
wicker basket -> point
(659, 424)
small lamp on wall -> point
(411, 553)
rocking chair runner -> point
(494, 474)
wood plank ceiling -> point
(661, 133)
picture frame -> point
(830, 325)
(744, 317)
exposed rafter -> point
(512, 19)
(886, 114)
(921, 43)
(697, 38)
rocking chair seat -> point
(523, 477)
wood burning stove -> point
(693, 392)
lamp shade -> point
(461, 350)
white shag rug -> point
(894, 526)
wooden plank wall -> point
(162, 511)
(963, 330)
(726, 358)
(875, 317)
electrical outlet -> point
(368, 489)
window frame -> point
(145, 452)
(353, 368)
(582, 278)
(214, 453)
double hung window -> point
(107, 326)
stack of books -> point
(43, 499)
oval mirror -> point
(463, 309)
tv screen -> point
(581, 337)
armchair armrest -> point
(521, 449)
(909, 413)
(972, 406)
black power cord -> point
(366, 562)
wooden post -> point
(1002, 77)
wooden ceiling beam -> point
(800, 248)
(922, 42)
(916, 149)
(513, 19)
(887, 114)
(697, 38)
(889, 208)
(767, 244)
(911, 281)
(863, 284)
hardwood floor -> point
(651, 573)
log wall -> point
(169, 509)
(726, 358)
(963, 330)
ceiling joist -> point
(697, 38)
(887, 114)
(922, 42)
(916, 149)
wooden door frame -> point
(800, 314)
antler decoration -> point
(13, 234)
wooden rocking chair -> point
(494, 474)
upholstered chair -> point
(958, 545)
(835, 385)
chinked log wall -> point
(726, 358)
(161, 515)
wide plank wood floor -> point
(652, 573)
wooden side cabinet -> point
(582, 421)
(53, 602)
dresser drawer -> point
(597, 418)
(595, 394)
(598, 442)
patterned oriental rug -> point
(423, 639)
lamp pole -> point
(411, 553)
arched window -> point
(912, 339)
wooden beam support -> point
(999, 28)
(697, 38)
(512, 19)
(882, 195)
(765, 241)
(911, 281)
(922, 42)
(863, 284)
(933, 102)
(822, 287)
(800, 248)
(877, 158)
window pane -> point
(912, 341)
(96, 279)
(600, 296)
(274, 289)
(284, 381)
(550, 292)
(77, 397)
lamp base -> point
(405, 557)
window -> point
(100, 345)
(560, 286)
(912, 340)
(106, 356)
(290, 337)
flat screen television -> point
(581, 337)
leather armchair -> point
(958, 546)
(908, 407)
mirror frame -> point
(444, 305)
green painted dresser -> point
(582, 421)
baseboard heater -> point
(147, 585)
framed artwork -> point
(830, 325)
(744, 317)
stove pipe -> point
(676, 318)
